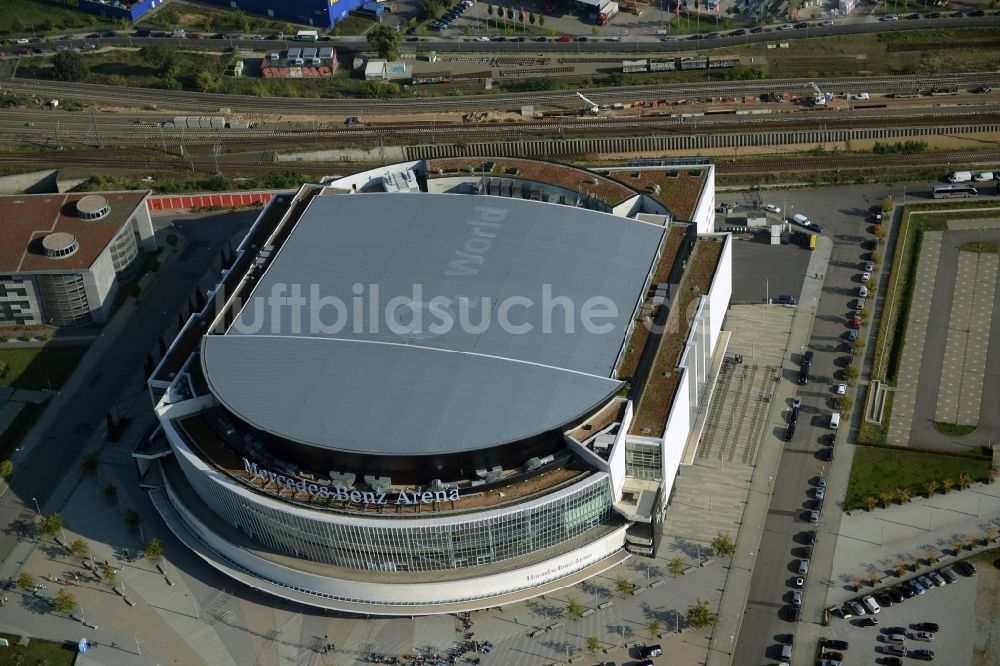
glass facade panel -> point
(454, 541)
(124, 252)
(64, 298)
(642, 460)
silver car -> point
(922, 636)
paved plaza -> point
(949, 351)
(961, 388)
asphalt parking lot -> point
(952, 607)
(761, 269)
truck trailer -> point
(606, 12)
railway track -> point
(209, 103)
(150, 161)
(16, 130)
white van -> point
(799, 218)
(834, 421)
(863, 291)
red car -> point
(565, 38)
(856, 323)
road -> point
(36, 475)
(634, 42)
(842, 213)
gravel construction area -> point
(986, 651)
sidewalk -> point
(737, 587)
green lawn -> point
(879, 469)
(876, 433)
(954, 429)
(23, 16)
(38, 653)
(39, 367)
(19, 427)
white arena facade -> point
(406, 394)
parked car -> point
(949, 575)
(926, 582)
(884, 599)
(796, 402)
(841, 389)
(793, 416)
(797, 598)
(811, 537)
(868, 622)
(925, 636)
(923, 655)
(965, 568)
(834, 644)
(897, 650)
(871, 604)
(820, 494)
(814, 519)
(892, 661)
(803, 567)
(799, 582)
(898, 596)
(789, 432)
(771, 208)
(648, 651)
(937, 578)
(908, 590)
(917, 586)
(856, 607)
(835, 656)
(927, 626)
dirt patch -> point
(986, 651)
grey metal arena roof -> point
(351, 384)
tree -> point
(851, 372)
(989, 534)
(593, 645)
(204, 80)
(957, 545)
(133, 518)
(160, 56)
(900, 567)
(723, 545)
(64, 601)
(914, 562)
(856, 583)
(574, 608)
(947, 485)
(108, 572)
(870, 502)
(25, 580)
(700, 615)
(866, 314)
(876, 258)
(654, 628)
(844, 404)
(885, 498)
(859, 343)
(50, 525)
(78, 548)
(903, 494)
(6, 468)
(110, 493)
(624, 586)
(531, 18)
(90, 463)
(932, 554)
(991, 474)
(873, 577)
(888, 205)
(964, 480)
(931, 487)
(676, 566)
(69, 66)
(541, 20)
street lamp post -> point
(37, 508)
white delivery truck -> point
(960, 177)
(983, 176)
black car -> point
(804, 375)
(923, 655)
(790, 432)
(892, 661)
(978, 12)
(581, 38)
(868, 622)
(897, 595)
(792, 613)
(807, 359)
(793, 417)
(833, 656)
(826, 454)
(907, 590)
(647, 651)
(834, 644)
(799, 26)
(927, 626)
(541, 39)
(757, 29)
(142, 33)
(965, 568)
(811, 537)
(738, 33)
(884, 599)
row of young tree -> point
(903, 494)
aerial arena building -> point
(444, 385)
